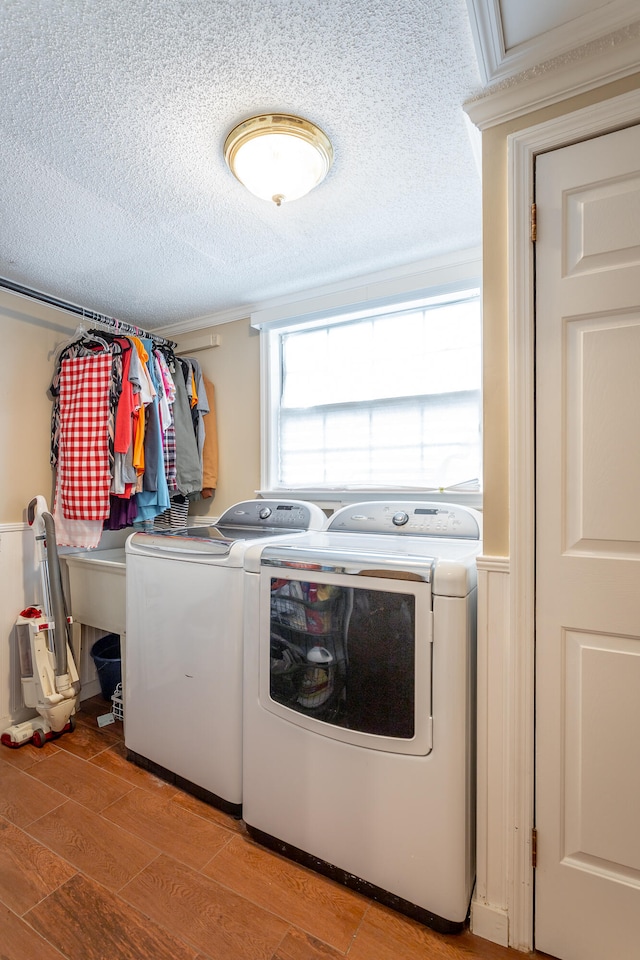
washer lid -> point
(205, 541)
(212, 541)
(243, 523)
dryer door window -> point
(350, 657)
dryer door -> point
(348, 656)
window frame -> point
(448, 277)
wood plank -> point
(208, 812)
(86, 742)
(100, 849)
(215, 920)
(20, 942)
(387, 935)
(27, 755)
(168, 826)
(114, 761)
(80, 781)
(22, 799)
(28, 871)
(321, 907)
(85, 922)
(298, 945)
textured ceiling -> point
(114, 193)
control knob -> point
(265, 513)
(400, 518)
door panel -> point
(603, 404)
(601, 720)
(602, 225)
(588, 548)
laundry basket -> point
(118, 703)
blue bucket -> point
(105, 653)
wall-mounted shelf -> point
(202, 343)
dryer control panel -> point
(421, 519)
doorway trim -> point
(523, 147)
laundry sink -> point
(97, 584)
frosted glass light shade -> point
(278, 157)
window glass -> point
(385, 400)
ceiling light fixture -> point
(278, 157)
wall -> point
(234, 369)
(495, 307)
(30, 334)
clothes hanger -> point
(81, 334)
(94, 336)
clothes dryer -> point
(359, 702)
(183, 652)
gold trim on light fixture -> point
(278, 156)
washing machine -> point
(359, 703)
(183, 652)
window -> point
(376, 400)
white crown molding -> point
(559, 82)
(486, 27)
(410, 276)
(183, 327)
(441, 275)
(497, 62)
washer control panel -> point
(409, 519)
(280, 514)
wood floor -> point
(99, 860)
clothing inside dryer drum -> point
(345, 655)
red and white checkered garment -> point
(84, 476)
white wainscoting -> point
(490, 905)
(90, 685)
(20, 587)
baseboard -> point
(489, 922)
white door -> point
(587, 904)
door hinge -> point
(534, 847)
(534, 224)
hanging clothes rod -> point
(118, 325)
